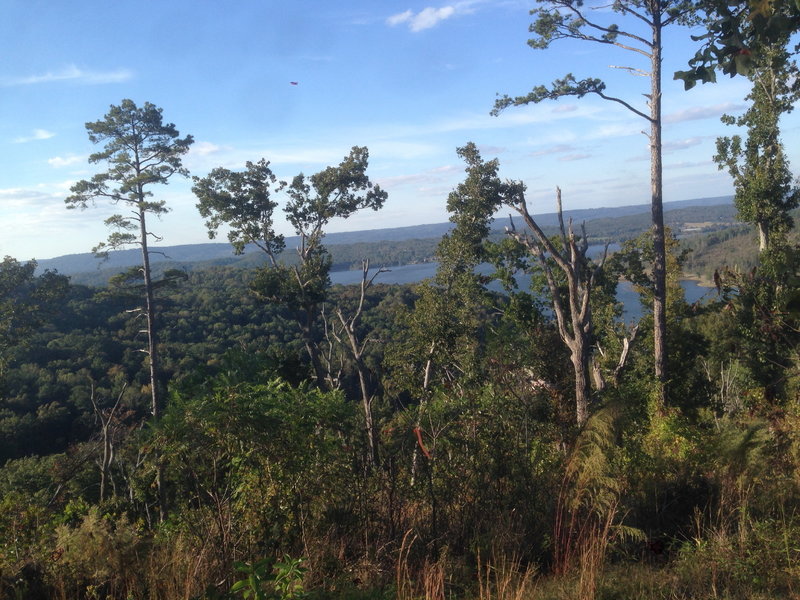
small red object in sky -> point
(293, 82)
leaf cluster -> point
(140, 150)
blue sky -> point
(410, 80)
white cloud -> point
(556, 149)
(204, 148)
(702, 112)
(19, 198)
(38, 134)
(428, 17)
(399, 18)
(674, 145)
(492, 150)
(614, 130)
(424, 179)
(565, 108)
(64, 161)
(74, 74)
(688, 164)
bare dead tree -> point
(331, 358)
(346, 333)
(572, 309)
(106, 418)
(600, 380)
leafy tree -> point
(25, 300)
(335, 192)
(473, 203)
(634, 261)
(449, 310)
(243, 201)
(570, 19)
(765, 302)
(738, 33)
(140, 150)
(445, 334)
(765, 191)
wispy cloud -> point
(571, 157)
(64, 161)
(204, 148)
(425, 19)
(430, 17)
(73, 74)
(491, 150)
(15, 198)
(615, 130)
(38, 134)
(685, 164)
(702, 112)
(562, 108)
(672, 146)
(285, 161)
(425, 179)
(399, 18)
(557, 149)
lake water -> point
(632, 307)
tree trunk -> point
(580, 364)
(373, 441)
(659, 237)
(108, 457)
(152, 351)
(763, 236)
(312, 349)
(571, 259)
(149, 310)
(356, 349)
(366, 400)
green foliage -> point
(140, 150)
(765, 190)
(764, 303)
(264, 580)
(262, 458)
(737, 33)
(446, 333)
(242, 201)
(26, 301)
(482, 479)
(99, 552)
(634, 261)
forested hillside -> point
(242, 428)
(391, 247)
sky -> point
(411, 80)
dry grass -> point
(505, 579)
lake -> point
(632, 308)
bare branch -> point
(631, 70)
